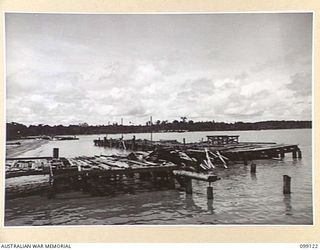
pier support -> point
(294, 154)
(189, 186)
(210, 193)
(253, 168)
(282, 154)
(299, 154)
(245, 161)
(286, 184)
(56, 153)
(171, 180)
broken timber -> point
(222, 147)
(98, 176)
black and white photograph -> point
(158, 119)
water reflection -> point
(253, 176)
(287, 203)
(191, 205)
(210, 206)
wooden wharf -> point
(102, 175)
(228, 147)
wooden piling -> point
(210, 193)
(286, 184)
(184, 142)
(253, 168)
(245, 161)
(299, 154)
(188, 185)
(56, 153)
(171, 180)
(282, 154)
(151, 129)
(294, 154)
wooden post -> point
(210, 193)
(245, 161)
(282, 154)
(122, 128)
(133, 142)
(84, 183)
(52, 185)
(294, 154)
(171, 180)
(253, 168)
(151, 128)
(189, 186)
(184, 142)
(299, 154)
(286, 184)
(56, 153)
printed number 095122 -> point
(309, 246)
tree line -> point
(16, 130)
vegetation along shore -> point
(17, 130)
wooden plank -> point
(196, 176)
(115, 163)
(29, 158)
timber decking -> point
(103, 175)
(228, 146)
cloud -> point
(301, 84)
(74, 68)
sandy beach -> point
(14, 150)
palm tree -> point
(183, 118)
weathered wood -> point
(210, 193)
(196, 176)
(56, 153)
(172, 183)
(223, 139)
(294, 154)
(286, 184)
(253, 168)
(233, 150)
(299, 154)
(245, 161)
(189, 185)
(28, 158)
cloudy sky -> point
(68, 68)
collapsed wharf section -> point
(226, 145)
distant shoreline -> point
(155, 132)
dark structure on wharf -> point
(226, 146)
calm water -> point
(239, 197)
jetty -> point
(100, 175)
(145, 165)
(223, 147)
